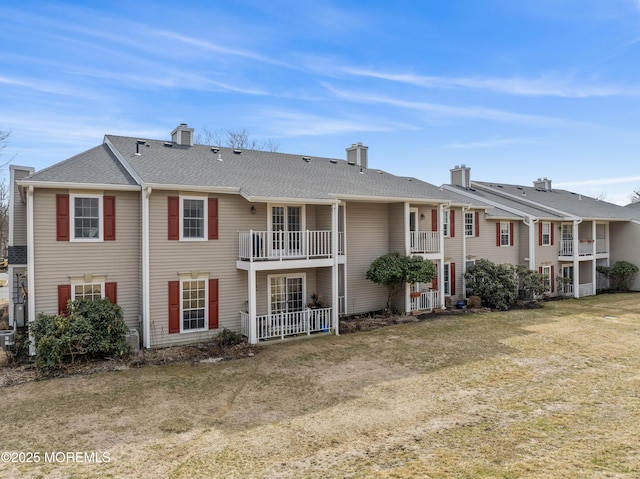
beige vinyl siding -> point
(397, 228)
(367, 238)
(169, 258)
(19, 211)
(485, 245)
(324, 290)
(624, 247)
(521, 240)
(55, 261)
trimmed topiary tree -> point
(395, 270)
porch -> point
(425, 242)
(283, 245)
(424, 301)
(281, 325)
(585, 289)
(585, 247)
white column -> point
(334, 269)
(441, 250)
(253, 339)
(146, 276)
(532, 242)
(407, 249)
(576, 263)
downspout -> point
(146, 276)
(31, 280)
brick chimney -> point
(182, 135)
(461, 176)
(357, 154)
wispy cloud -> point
(470, 112)
(512, 86)
(491, 143)
(600, 182)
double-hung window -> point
(445, 223)
(546, 272)
(194, 218)
(505, 234)
(469, 225)
(194, 304)
(86, 217)
(546, 234)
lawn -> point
(553, 392)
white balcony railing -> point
(602, 246)
(424, 242)
(585, 289)
(585, 247)
(427, 301)
(279, 245)
(280, 325)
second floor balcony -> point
(283, 245)
(425, 242)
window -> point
(193, 218)
(546, 234)
(469, 224)
(547, 273)
(446, 284)
(85, 213)
(88, 291)
(194, 301)
(445, 223)
(505, 234)
(286, 293)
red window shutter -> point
(111, 292)
(109, 217)
(434, 220)
(498, 233)
(510, 234)
(213, 218)
(174, 218)
(452, 279)
(553, 285)
(213, 304)
(62, 218)
(64, 296)
(540, 234)
(452, 224)
(477, 224)
(551, 228)
(174, 307)
(434, 282)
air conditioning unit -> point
(7, 338)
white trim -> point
(508, 234)
(72, 218)
(303, 276)
(286, 206)
(73, 288)
(205, 223)
(206, 305)
(542, 224)
(473, 224)
(146, 278)
(31, 280)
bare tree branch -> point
(234, 139)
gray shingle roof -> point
(95, 166)
(262, 174)
(562, 200)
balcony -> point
(424, 242)
(281, 325)
(283, 245)
(585, 247)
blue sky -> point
(514, 89)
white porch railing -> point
(341, 306)
(427, 301)
(280, 325)
(424, 242)
(602, 246)
(279, 245)
(585, 248)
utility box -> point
(18, 315)
(133, 340)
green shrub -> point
(93, 329)
(620, 275)
(229, 338)
(496, 284)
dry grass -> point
(538, 393)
